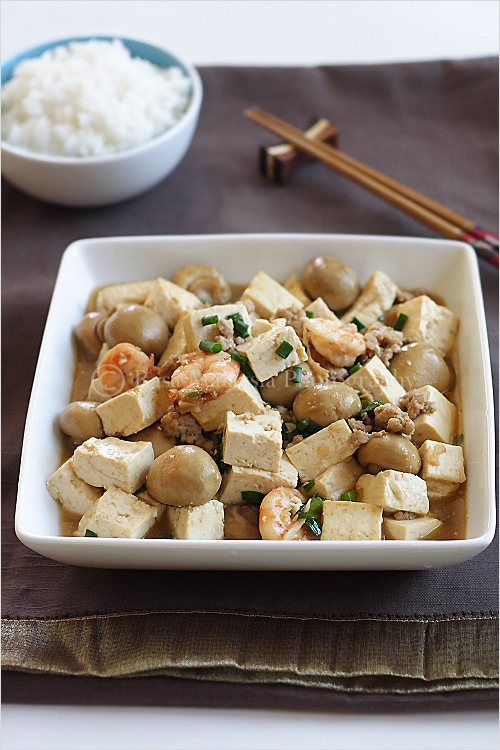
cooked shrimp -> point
(201, 377)
(340, 344)
(278, 515)
(123, 367)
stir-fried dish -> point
(316, 408)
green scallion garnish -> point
(349, 497)
(88, 532)
(252, 496)
(213, 347)
(245, 366)
(368, 406)
(308, 487)
(313, 514)
(240, 327)
(359, 325)
(398, 325)
(307, 427)
(284, 349)
(309, 314)
(356, 366)
(194, 394)
(297, 374)
(209, 320)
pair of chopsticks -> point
(443, 220)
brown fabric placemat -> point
(376, 641)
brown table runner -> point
(327, 640)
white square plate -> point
(446, 268)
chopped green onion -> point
(218, 452)
(194, 394)
(167, 536)
(459, 438)
(349, 496)
(398, 325)
(245, 367)
(307, 426)
(309, 314)
(369, 406)
(359, 325)
(308, 487)
(88, 532)
(209, 320)
(284, 349)
(213, 347)
(252, 496)
(312, 514)
(356, 366)
(297, 374)
(240, 327)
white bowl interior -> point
(448, 269)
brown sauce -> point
(452, 512)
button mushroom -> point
(389, 451)
(137, 325)
(333, 280)
(421, 364)
(79, 420)
(281, 389)
(183, 475)
(206, 282)
(325, 403)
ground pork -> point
(185, 429)
(393, 419)
(294, 318)
(382, 341)
(417, 402)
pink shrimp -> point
(201, 377)
(278, 515)
(123, 367)
(338, 343)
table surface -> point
(257, 33)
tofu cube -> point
(442, 468)
(111, 462)
(320, 309)
(195, 331)
(239, 479)
(169, 300)
(377, 296)
(261, 351)
(269, 296)
(242, 398)
(70, 491)
(378, 380)
(293, 284)
(155, 435)
(253, 440)
(200, 522)
(337, 479)
(429, 322)
(135, 409)
(393, 491)
(130, 293)
(438, 425)
(176, 343)
(118, 514)
(329, 446)
(346, 521)
(411, 529)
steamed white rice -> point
(90, 99)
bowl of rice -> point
(90, 121)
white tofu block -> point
(133, 293)
(411, 529)
(70, 491)
(293, 284)
(261, 352)
(242, 398)
(320, 309)
(377, 296)
(440, 424)
(118, 514)
(429, 322)
(378, 380)
(155, 435)
(109, 462)
(442, 468)
(240, 479)
(135, 409)
(169, 300)
(253, 440)
(269, 296)
(176, 343)
(149, 499)
(201, 522)
(261, 325)
(195, 331)
(346, 521)
(314, 455)
(393, 491)
(337, 479)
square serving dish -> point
(445, 268)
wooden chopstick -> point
(443, 220)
